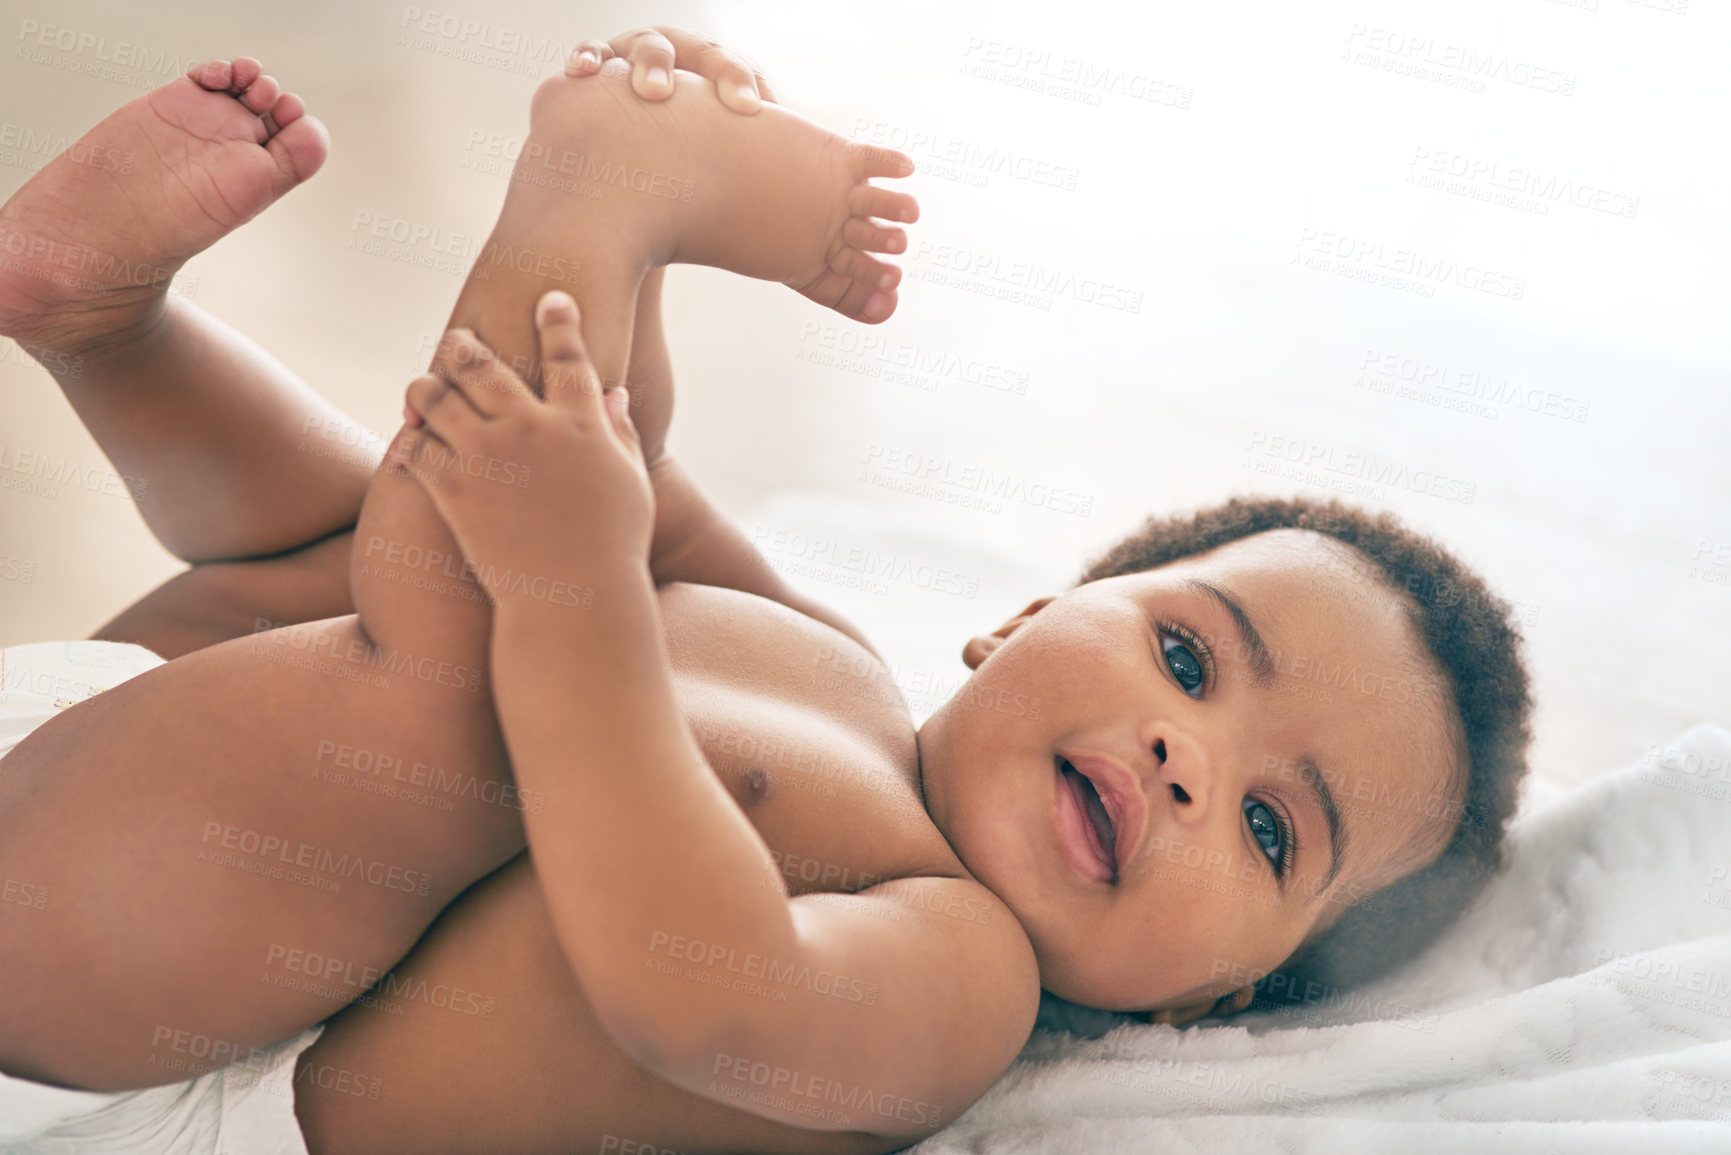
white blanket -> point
(1583, 1005)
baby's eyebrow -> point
(1261, 661)
(1317, 784)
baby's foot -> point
(88, 245)
(772, 196)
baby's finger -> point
(433, 465)
(484, 380)
(651, 55)
(618, 402)
(567, 377)
(417, 452)
(443, 411)
(735, 79)
(586, 59)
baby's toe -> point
(862, 234)
(867, 201)
(866, 270)
(868, 305)
(260, 95)
(850, 298)
(287, 109)
(299, 149)
(212, 75)
(246, 70)
(870, 161)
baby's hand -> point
(536, 492)
(654, 53)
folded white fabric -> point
(38, 681)
(245, 1108)
(1583, 1005)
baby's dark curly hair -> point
(1469, 632)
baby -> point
(1177, 781)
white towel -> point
(245, 1108)
(39, 680)
(1583, 1005)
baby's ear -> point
(980, 648)
(1235, 1002)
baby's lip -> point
(1121, 794)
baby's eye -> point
(1265, 827)
(1184, 664)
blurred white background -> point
(1149, 261)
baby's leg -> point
(206, 827)
(238, 456)
(215, 428)
(209, 827)
(608, 189)
(212, 602)
(299, 792)
(684, 182)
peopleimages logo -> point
(965, 161)
(1370, 259)
(877, 568)
(1479, 175)
(483, 34)
(1073, 78)
(1297, 459)
(1017, 282)
(965, 483)
(90, 54)
(1457, 65)
(1462, 388)
(479, 42)
(750, 965)
(875, 355)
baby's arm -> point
(639, 840)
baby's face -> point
(1149, 678)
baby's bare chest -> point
(828, 774)
(807, 732)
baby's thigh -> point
(205, 827)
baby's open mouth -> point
(1105, 839)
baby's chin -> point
(1077, 983)
(1082, 997)
(1133, 986)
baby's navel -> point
(756, 786)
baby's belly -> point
(488, 1044)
